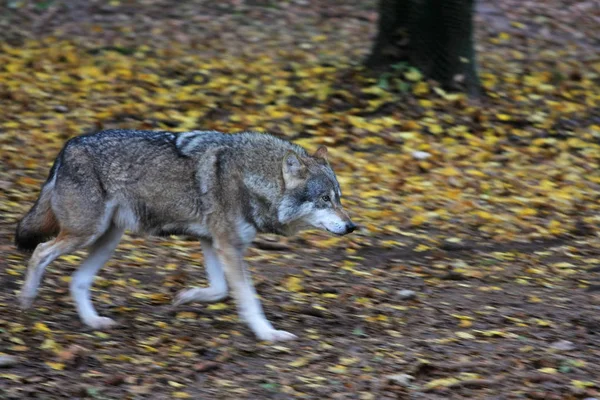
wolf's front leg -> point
(242, 288)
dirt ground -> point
(476, 271)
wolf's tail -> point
(40, 223)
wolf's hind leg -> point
(100, 251)
(43, 255)
(217, 285)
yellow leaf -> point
(160, 298)
(465, 335)
(293, 284)
(90, 71)
(299, 362)
(450, 171)
(186, 315)
(327, 243)
(72, 259)
(443, 382)
(55, 365)
(526, 212)
(12, 377)
(577, 363)
(338, 369)
(392, 228)
(465, 323)
(421, 248)
(181, 395)
(49, 344)
(17, 340)
(463, 317)
(382, 318)
(484, 214)
(41, 327)
(548, 370)
(555, 227)
(283, 349)
(469, 375)
(547, 185)
(413, 75)
(534, 299)
(349, 360)
(563, 265)
(475, 172)
(149, 349)
(175, 384)
(217, 306)
(420, 88)
(582, 384)
(436, 129)
(418, 219)
(534, 271)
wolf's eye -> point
(326, 199)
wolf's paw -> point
(207, 295)
(100, 323)
(276, 336)
(26, 301)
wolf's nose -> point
(350, 227)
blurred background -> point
(466, 138)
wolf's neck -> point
(264, 198)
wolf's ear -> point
(294, 170)
(321, 155)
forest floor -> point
(475, 271)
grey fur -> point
(221, 188)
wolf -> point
(222, 188)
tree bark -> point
(435, 36)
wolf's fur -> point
(221, 188)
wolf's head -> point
(312, 195)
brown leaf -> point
(72, 353)
(206, 366)
(114, 380)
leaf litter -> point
(486, 210)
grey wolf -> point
(221, 188)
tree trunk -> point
(435, 36)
